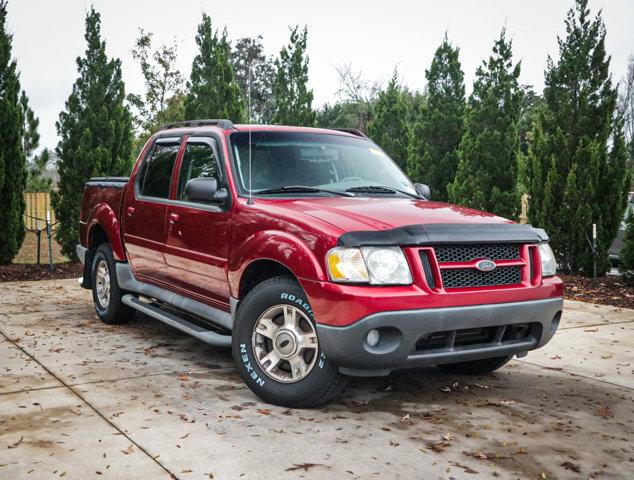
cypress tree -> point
(213, 91)
(292, 98)
(12, 160)
(576, 166)
(435, 136)
(95, 132)
(626, 266)
(487, 171)
(389, 127)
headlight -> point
(549, 264)
(374, 265)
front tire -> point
(106, 293)
(276, 349)
(476, 367)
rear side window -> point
(199, 161)
(157, 172)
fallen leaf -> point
(604, 412)
(571, 466)
(184, 377)
(465, 468)
(302, 466)
(437, 446)
(128, 450)
(14, 445)
(405, 417)
(264, 411)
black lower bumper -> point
(416, 338)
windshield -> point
(319, 160)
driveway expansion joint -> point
(93, 408)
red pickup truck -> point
(311, 255)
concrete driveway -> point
(80, 399)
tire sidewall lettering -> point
(294, 299)
(246, 362)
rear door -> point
(197, 246)
(145, 208)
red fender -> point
(278, 246)
(104, 216)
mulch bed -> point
(609, 290)
(20, 272)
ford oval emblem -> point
(485, 265)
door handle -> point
(173, 217)
(130, 211)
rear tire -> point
(106, 293)
(276, 349)
(476, 367)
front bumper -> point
(413, 338)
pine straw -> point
(608, 290)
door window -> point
(157, 172)
(199, 161)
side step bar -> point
(207, 336)
(127, 282)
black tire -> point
(321, 383)
(114, 311)
(476, 367)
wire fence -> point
(39, 218)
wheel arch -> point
(104, 227)
(282, 252)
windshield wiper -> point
(379, 189)
(300, 189)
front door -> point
(197, 246)
(145, 208)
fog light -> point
(373, 338)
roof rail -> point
(217, 122)
(352, 131)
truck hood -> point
(378, 213)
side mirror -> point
(205, 190)
(423, 190)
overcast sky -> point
(374, 36)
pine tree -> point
(38, 178)
(576, 166)
(292, 98)
(212, 88)
(31, 137)
(626, 266)
(487, 172)
(249, 53)
(95, 132)
(12, 160)
(389, 127)
(433, 144)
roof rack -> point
(216, 122)
(352, 131)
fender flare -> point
(281, 247)
(105, 217)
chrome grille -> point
(468, 253)
(470, 277)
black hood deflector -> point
(446, 233)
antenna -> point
(250, 200)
